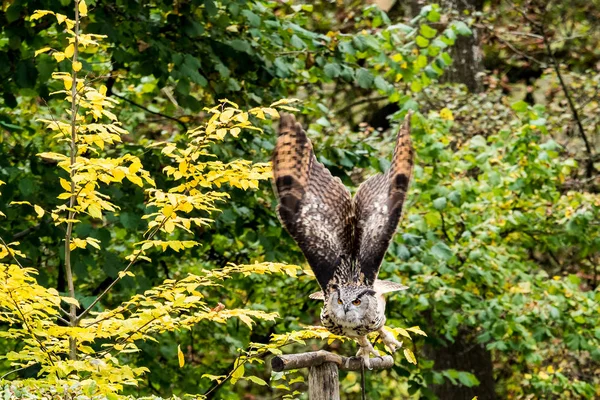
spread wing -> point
(315, 207)
(378, 207)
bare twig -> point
(181, 123)
(556, 65)
(359, 102)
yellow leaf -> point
(417, 330)
(118, 175)
(60, 18)
(136, 180)
(39, 210)
(68, 82)
(95, 211)
(70, 50)
(235, 132)
(58, 55)
(70, 300)
(410, 356)
(180, 356)
(226, 115)
(169, 226)
(18, 203)
(284, 101)
(167, 210)
(40, 51)
(271, 111)
(82, 8)
(446, 114)
(183, 167)
(246, 320)
(37, 14)
(65, 184)
(238, 372)
(76, 66)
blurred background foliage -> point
(500, 243)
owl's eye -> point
(339, 301)
(356, 302)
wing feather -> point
(315, 207)
(378, 207)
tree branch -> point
(183, 124)
(314, 358)
(556, 66)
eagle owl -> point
(343, 239)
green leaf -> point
(416, 86)
(442, 251)
(433, 16)
(253, 19)
(461, 28)
(428, 31)
(332, 70)
(467, 379)
(256, 380)
(364, 78)
(421, 41)
(297, 43)
(440, 203)
(446, 58)
(520, 106)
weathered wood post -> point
(323, 380)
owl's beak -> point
(346, 308)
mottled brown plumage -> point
(332, 230)
(344, 240)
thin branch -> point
(183, 124)
(33, 335)
(73, 197)
(555, 64)
(444, 228)
(10, 252)
(13, 371)
(118, 278)
(359, 102)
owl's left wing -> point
(378, 207)
(315, 207)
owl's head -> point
(351, 303)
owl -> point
(344, 239)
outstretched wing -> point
(315, 207)
(378, 207)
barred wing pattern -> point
(341, 239)
(315, 207)
(378, 204)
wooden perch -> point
(323, 381)
(316, 358)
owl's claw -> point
(389, 340)
(365, 351)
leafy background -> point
(500, 242)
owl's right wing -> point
(315, 207)
(378, 206)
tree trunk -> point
(467, 66)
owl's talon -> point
(365, 350)
(389, 340)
